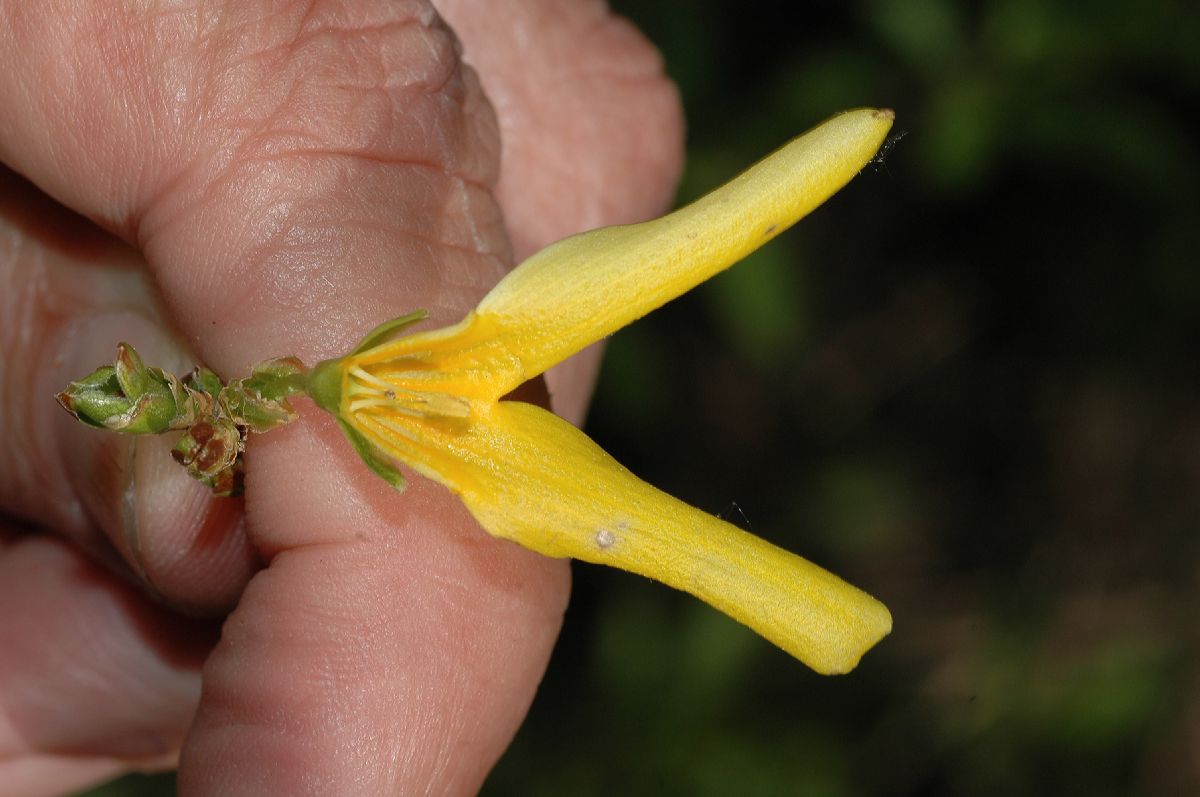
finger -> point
(70, 291)
(592, 131)
(411, 679)
(49, 776)
(94, 678)
(315, 211)
(592, 128)
(281, 266)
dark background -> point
(967, 384)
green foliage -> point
(136, 786)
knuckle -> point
(310, 115)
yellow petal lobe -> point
(528, 476)
(583, 288)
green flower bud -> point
(127, 397)
(95, 397)
(259, 402)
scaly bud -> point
(128, 397)
(259, 402)
(211, 451)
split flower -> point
(433, 401)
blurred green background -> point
(968, 384)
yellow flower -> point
(431, 400)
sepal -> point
(379, 462)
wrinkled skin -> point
(236, 181)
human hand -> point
(283, 177)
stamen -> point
(359, 373)
(414, 405)
(368, 391)
(358, 405)
(389, 424)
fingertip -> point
(190, 546)
(403, 659)
(55, 775)
(91, 669)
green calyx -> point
(325, 380)
(325, 385)
(325, 389)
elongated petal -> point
(577, 291)
(531, 477)
(586, 287)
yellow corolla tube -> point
(528, 476)
(585, 287)
(577, 291)
(431, 400)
